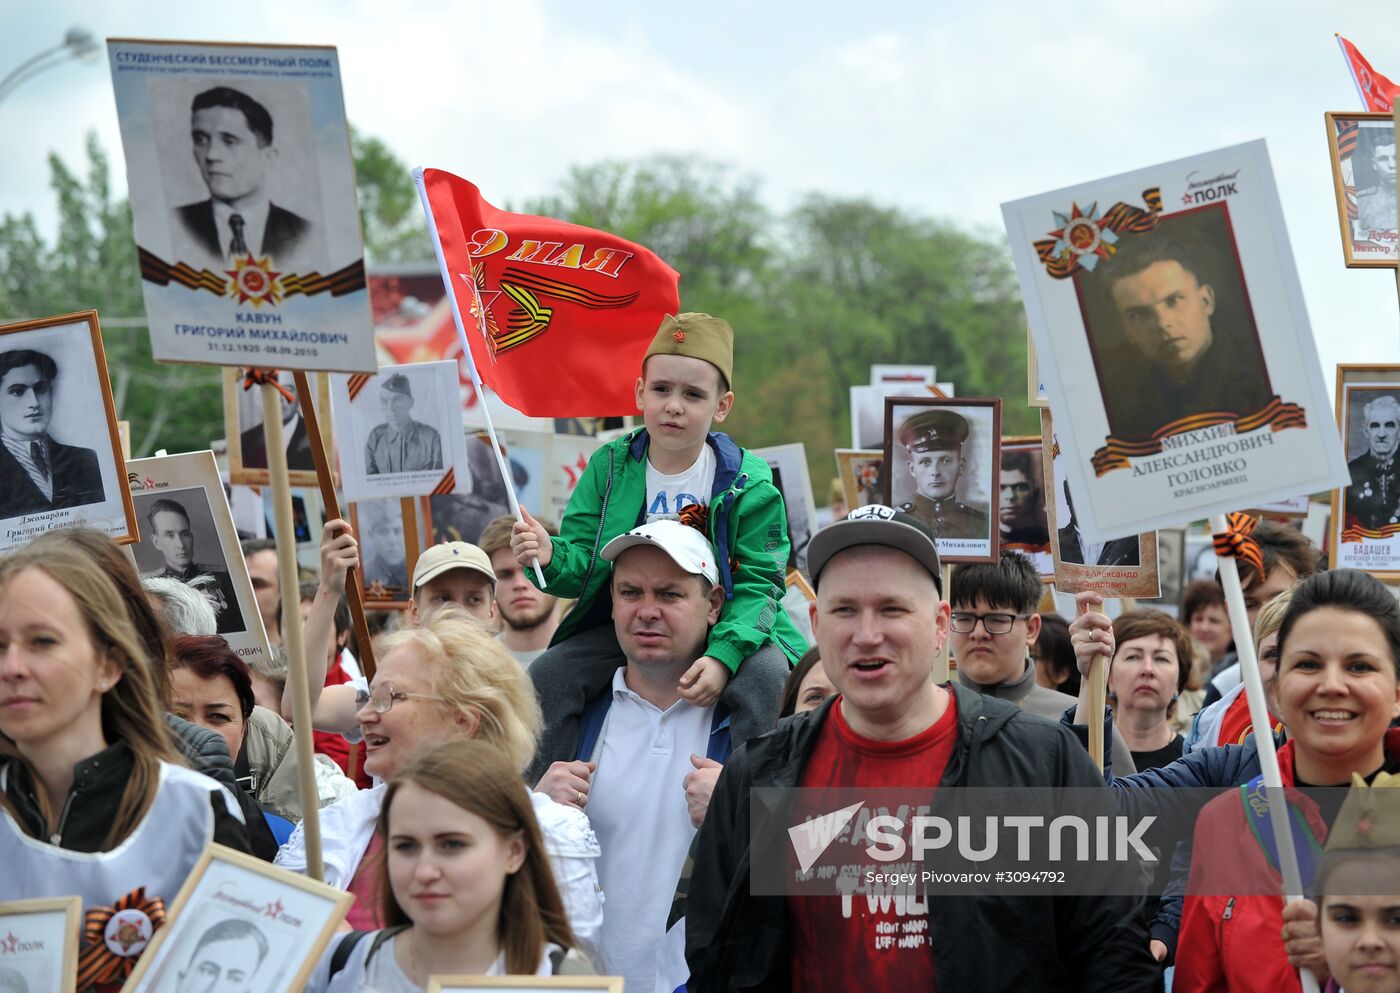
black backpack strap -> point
(341, 955)
(381, 936)
(556, 960)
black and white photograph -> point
(942, 465)
(179, 540)
(1366, 512)
(61, 459)
(387, 550)
(862, 475)
(1173, 342)
(243, 202)
(400, 432)
(247, 442)
(39, 945)
(188, 535)
(481, 498)
(1171, 571)
(1363, 176)
(240, 924)
(794, 482)
(1021, 503)
(1119, 567)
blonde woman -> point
(448, 680)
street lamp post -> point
(78, 43)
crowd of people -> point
(575, 778)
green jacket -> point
(747, 527)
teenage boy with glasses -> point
(994, 626)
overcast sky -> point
(945, 108)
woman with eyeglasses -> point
(447, 680)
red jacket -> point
(1235, 943)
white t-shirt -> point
(638, 811)
(668, 494)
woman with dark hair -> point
(93, 799)
(209, 686)
(1337, 689)
(1054, 656)
(467, 888)
(806, 687)
(1203, 613)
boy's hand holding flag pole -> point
(563, 313)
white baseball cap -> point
(687, 547)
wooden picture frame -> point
(271, 909)
(559, 984)
(414, 520)
(79, 477)
(40, 942)
(161, 489)
(1350, 140)
(961, 519)
(1025, 450)
(861, 471)
(1364, 531)
(793, 480)
(301, 470)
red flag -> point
(557, 315)
(1377, 92)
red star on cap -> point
(678, 335)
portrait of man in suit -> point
(254, 445)
(37, 472)
(232, 136)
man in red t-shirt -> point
(880, 621)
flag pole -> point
(467, 354)
(1263, 730)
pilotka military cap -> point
(698, 335)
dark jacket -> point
(205, 752)
(253, 446)
(737, 941)
(77, 482)
(283, 232)
(98, 782)
(1119, 551)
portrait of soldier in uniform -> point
(171, 534)
(400, 444)
(933, 444)
(1172, 333)
(1074, 548)
(1021, 501)
(1375, 205)
(1373, 498)
(380, 524)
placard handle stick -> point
(412, 536)
(467, 355)
(1263, 730)
(320, 458)
(291, 616)
(1098, 700)
(940, 662)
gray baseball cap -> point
(876, 524)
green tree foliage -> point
(390, 214)
(817, 296)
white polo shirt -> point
(637, 807)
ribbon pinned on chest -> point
(114, 937)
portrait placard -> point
(39, 949)
(239, 923)
(481, 494)
(798, 596)
(1171, 571)
(1173, 343)
(1021, 503)
(401, 432)
(188, 534)
(942, 464)
(1119, 567)
(569, 455)
(247, 443)
(243, 204)
(790, 476)
(1035, 388)
(61, 460)
(868, 408)
(862, 475)
(385, 566)
(511, 984)
(903, 375)
(1363, 178)
(1366, 513)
